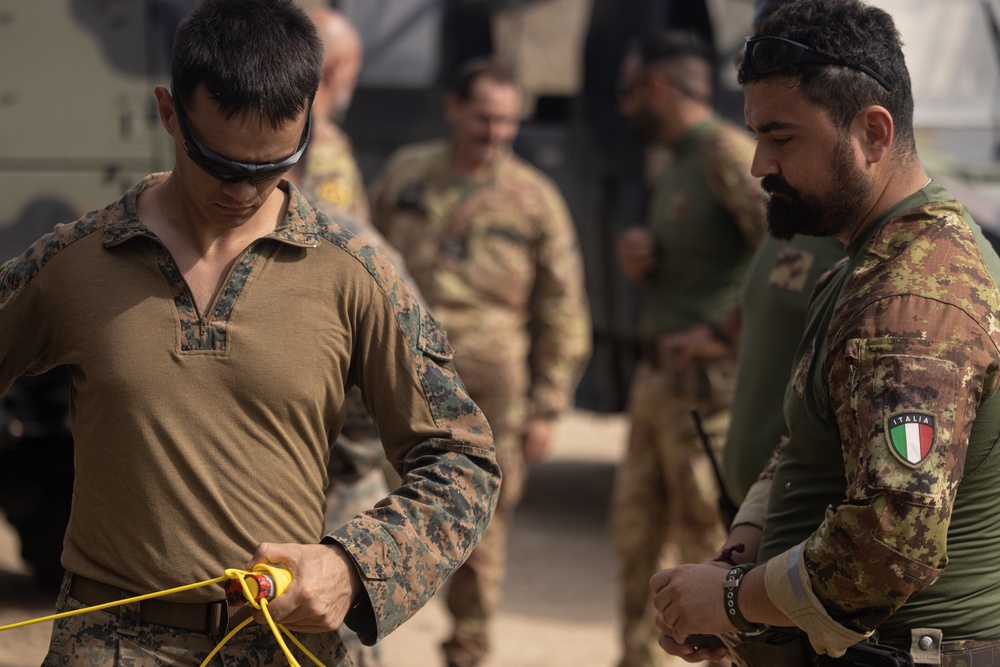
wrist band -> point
(726, 555)
(730, 597)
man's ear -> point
(874, 130)
(331, 71)
(165, 107)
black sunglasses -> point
(763, 55)
(231, 171)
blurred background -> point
(78, 126)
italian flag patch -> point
(911, 435)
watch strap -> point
(731, 599)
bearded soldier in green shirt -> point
(886, 480)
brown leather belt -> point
(211, 618)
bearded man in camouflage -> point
(493, 250)
(886, 480)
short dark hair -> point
(667, 45)
(472, 70)
(685, 59)
(253, 56)
(857, 35)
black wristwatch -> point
(730, 597)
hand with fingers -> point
(689, 608)
(325, 582)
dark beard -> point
(789, 212)
(644, 126)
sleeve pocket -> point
(909, 407)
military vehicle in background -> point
(78, 126)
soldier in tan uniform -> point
(212, 322)
(493, 250)
(329, 174)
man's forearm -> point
(755, 604)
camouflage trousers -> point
(474, 589)
(116, 637)
(665, 499)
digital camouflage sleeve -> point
(914, 348)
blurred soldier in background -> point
(328, 173)
(329, 177)
(491, 245)
(705, 218)
(766, 329)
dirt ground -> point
(559, 607)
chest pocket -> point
(496, 256)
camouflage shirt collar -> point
(933, 191)
(448, 173)
(123, 216)
(298, 228)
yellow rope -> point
(115, 603)
(225, 639)
(281, 579)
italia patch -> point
(911, 436)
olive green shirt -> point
(706, 216)
(773, 301)
(888, 481)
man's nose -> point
(241, 191)
(763, 165)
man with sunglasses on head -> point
(885, 482)
(213, 321)
(706, 216)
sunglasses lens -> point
(270, 174)
(219, 170)
(771, 55)
(234, 172)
